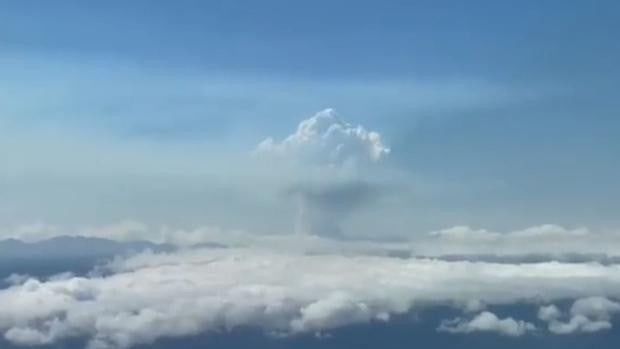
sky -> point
(503, 113)
(464, 131)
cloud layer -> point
(335, 202)
(535, 244)
(548, 239)
(150, 296)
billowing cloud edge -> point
(325, 138)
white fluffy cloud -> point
(595, 308)
(487, 322)
(578, 323)
(549, 313)
(325, 139)
(589, 314)
(150, 296)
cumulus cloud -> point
(549, 313)
(487, 322)
(578, 323)
(27, 336)
(148, 296)
(336, 157)
(335, 310)
(588, 314)
(595, 307)
(326, 139)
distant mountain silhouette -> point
(74, 254)
(73, 246)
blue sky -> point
(318, 173)
(504, 112)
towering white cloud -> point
(326, 139)
(335, 156)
